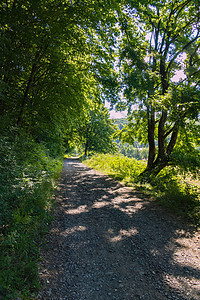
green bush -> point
(179, 191)
(27, 182)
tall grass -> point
(118, 166)
(180, 191)
(27, 181)
(174, 188)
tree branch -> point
(173, 139)
(182, 29)
(179, 52)
(169, 131)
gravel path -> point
(109, 242)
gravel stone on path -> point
(109, 242)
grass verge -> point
(27, 183)
(173, 188)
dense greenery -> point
(121, 122)
(174, 188)
(94, 133)
(27, 181)
(55, 58)
(118, 166)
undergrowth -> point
(117, 166)
(27, 182)
(174, 188)
(179, 191)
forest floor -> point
(108, 241)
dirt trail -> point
(109, 242)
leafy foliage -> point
(178, 190)
(134, 149)
(27, 181)
(95, 132)
(131, 151)
(58, 64)
(158, 40)
(55, 63)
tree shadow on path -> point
(109, 242)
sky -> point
(115, 114)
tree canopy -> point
(54, 56)
(158, 39)
(94, 133)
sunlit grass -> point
(177, 190)
(117, 166)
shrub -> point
(179, 191)
(27, 182)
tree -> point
(94, 132)
(54, 56)
(158, 39)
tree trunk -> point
(26, 93)
(162, 161)
(173, 140)
(86, 147)
(149, 173)
(151, 132)
(87, 139)
(161, 136)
